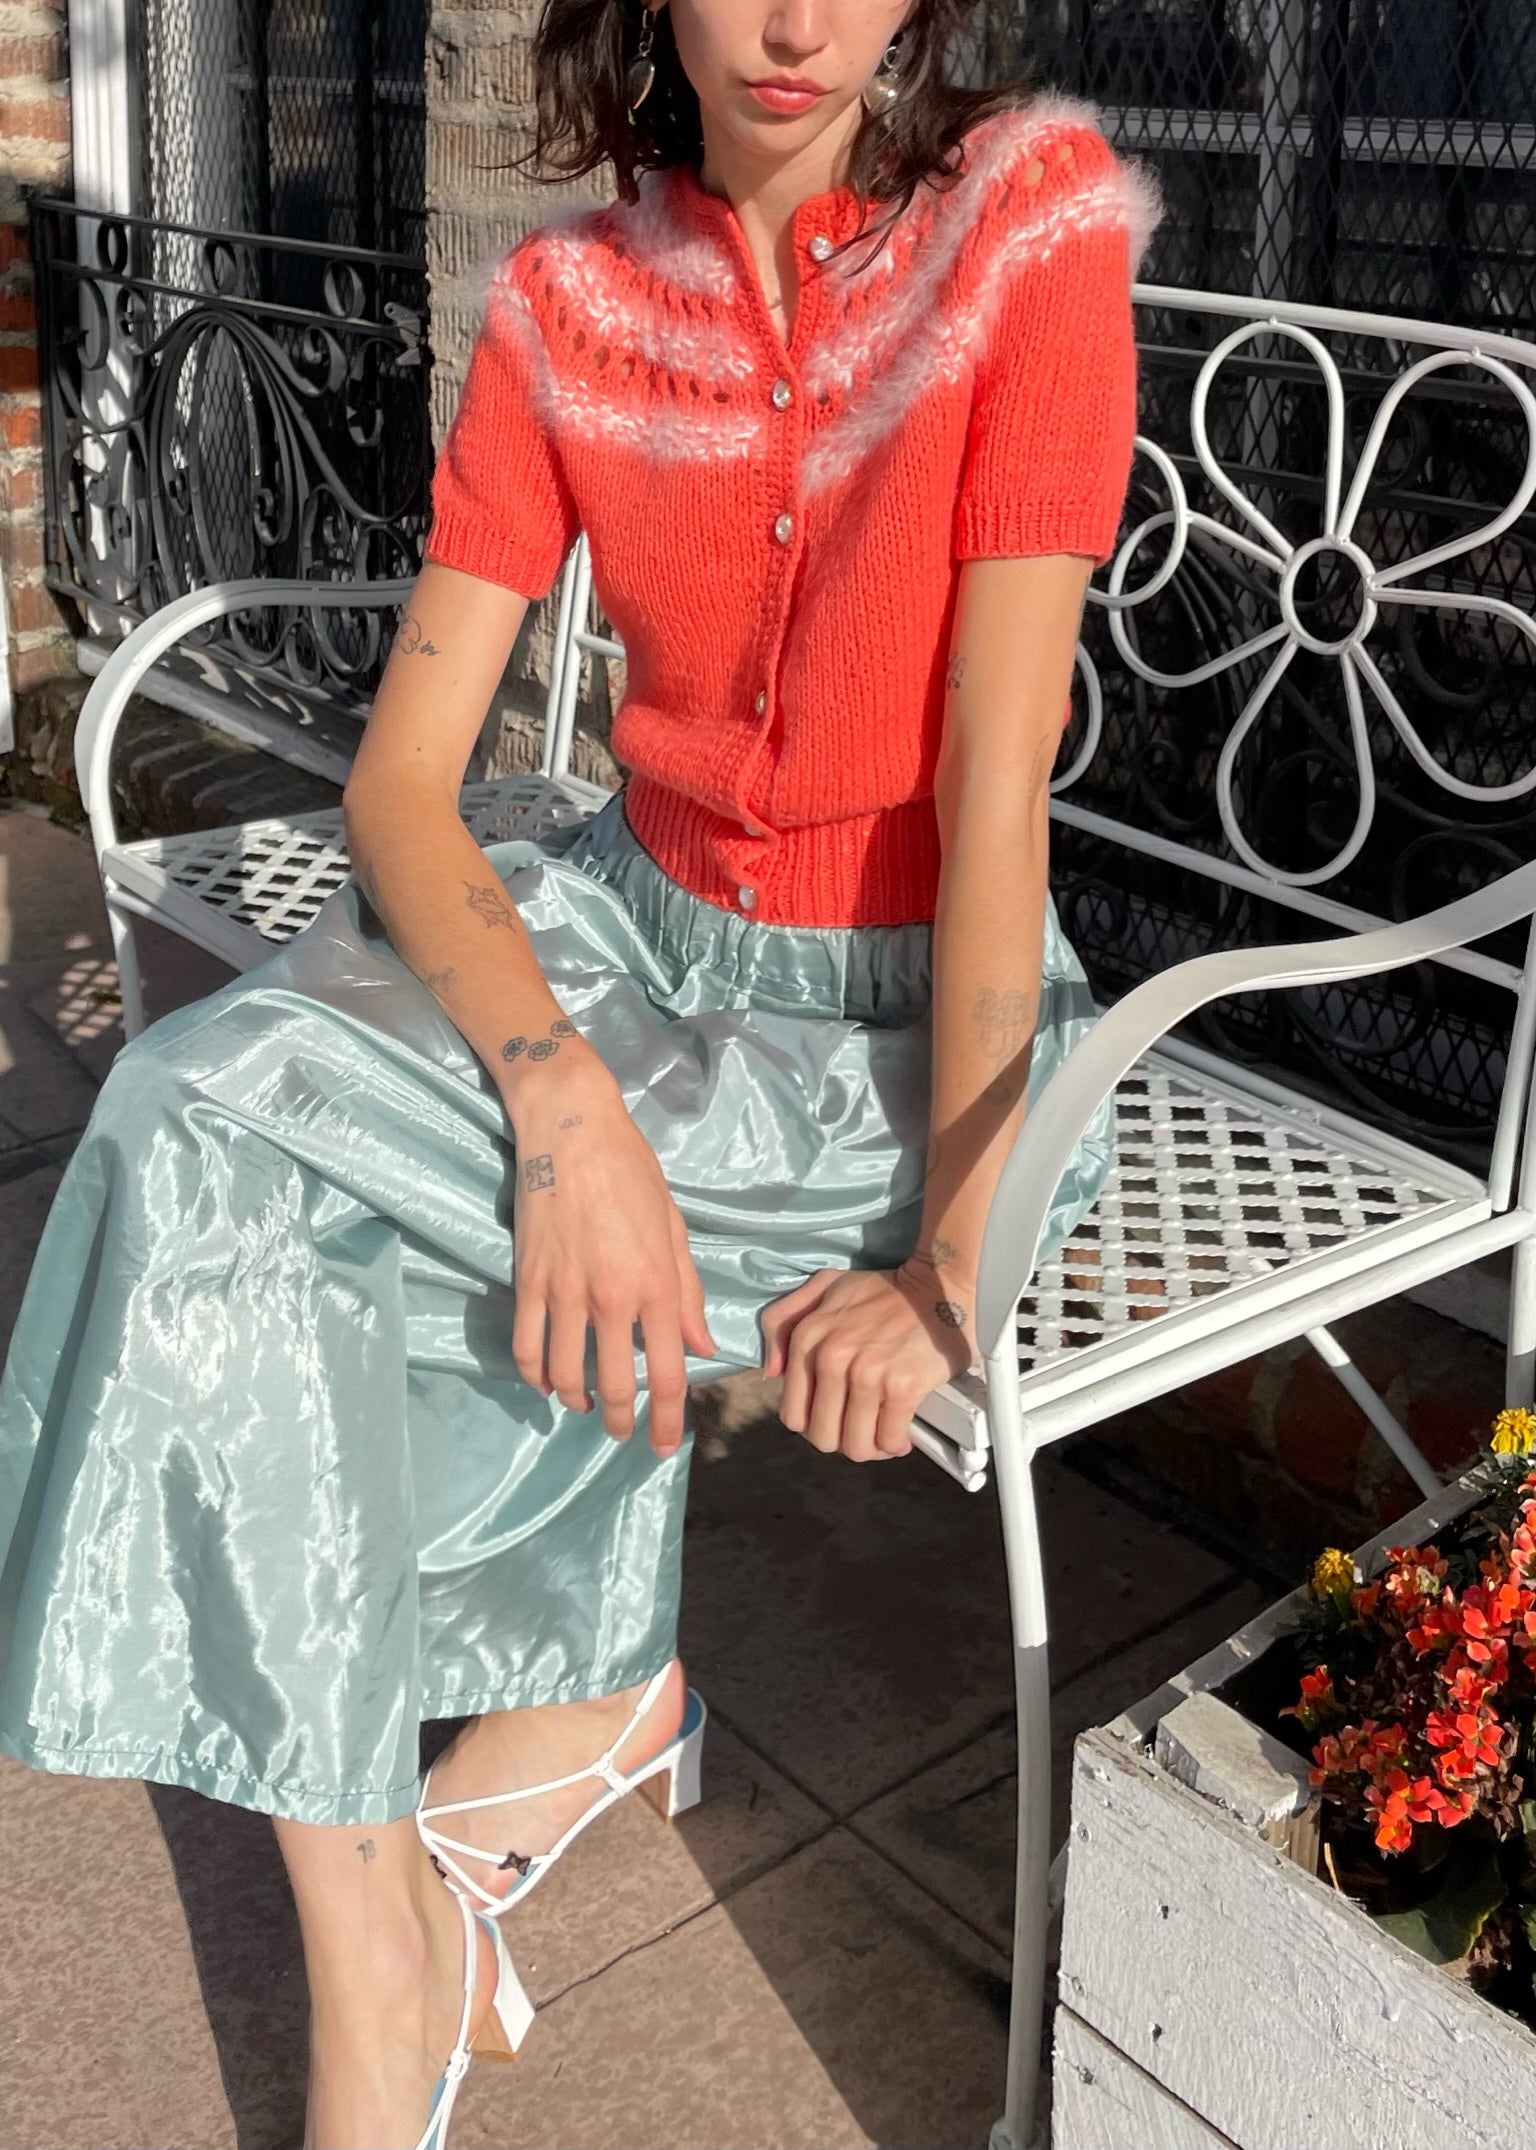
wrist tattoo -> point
(490, 904)
(438, 981)
(956, 669)
(943, 1251)
(538, 1172)
(413, 639)
(950, 1313)
(540, 1048)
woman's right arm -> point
(598, 1236)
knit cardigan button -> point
(760, 700)
(784, 528)
(782, 392)
(820, 247)
(746, 897)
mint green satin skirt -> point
(272, 1491)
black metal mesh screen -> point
(1378, 154)
(305, 122)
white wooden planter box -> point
(1215, 1996)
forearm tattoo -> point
(538, 1173)
(1004, 1022)
(413, 639)
(956, 669)
(489, 903)
(543, 1048)
(438, 981)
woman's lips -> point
(778, 100)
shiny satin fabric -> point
(272, 1491)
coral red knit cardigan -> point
(776, 532)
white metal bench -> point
(1240, 1213)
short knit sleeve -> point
(1053, 417)
(501, 504)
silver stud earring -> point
(883, 88)
(642, 68)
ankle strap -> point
(603, 1767)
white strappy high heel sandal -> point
(501, 2034)
(670, 1780)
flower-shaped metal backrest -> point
(1272, 623)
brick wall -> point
(479, 97)
(34, 127)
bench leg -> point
(1520, 1370)
(1350, 1378)
(129, 977)
(1017, 2130)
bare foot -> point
(378, 2046)
(511, 1748)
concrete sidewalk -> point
(815, 1956)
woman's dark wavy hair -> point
(582, 50)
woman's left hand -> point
(859, 1349)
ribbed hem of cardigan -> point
(1020, 529)
(469, 542)
(872, 870)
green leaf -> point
(1528, 1821)
(1444, 1928)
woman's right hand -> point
(598, 1241)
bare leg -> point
(384, 1952)
(509, 1748)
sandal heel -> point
(507, 2025)
(673, 1790)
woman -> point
(289, 1463)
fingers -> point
(616, 1386)
(893, 1430)
(695, 1322)
(528, 1318)
(780, 1317)
(666, 1376)
(567, 1352)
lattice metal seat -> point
(1221, 1201)
(241, 891)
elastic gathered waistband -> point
(877, 974)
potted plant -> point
(1331, 1943)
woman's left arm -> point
(859, 1349)
(1016, 628)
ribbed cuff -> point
(468, 542)
(1024, 529)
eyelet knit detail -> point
(966, 391)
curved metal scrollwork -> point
(224, 405)
(1309, 667)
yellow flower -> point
(1333, 1574)
(1514, 1432)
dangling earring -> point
(642, 68)
(883, 89)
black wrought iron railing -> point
(221, 404)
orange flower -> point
(1469, 1690)
(1412, 1576)
(1439, 1624)
(1317, 1698)
(1470, 1740)
(1400, 1801)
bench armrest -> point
(1093, 1069)
(109, 693)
